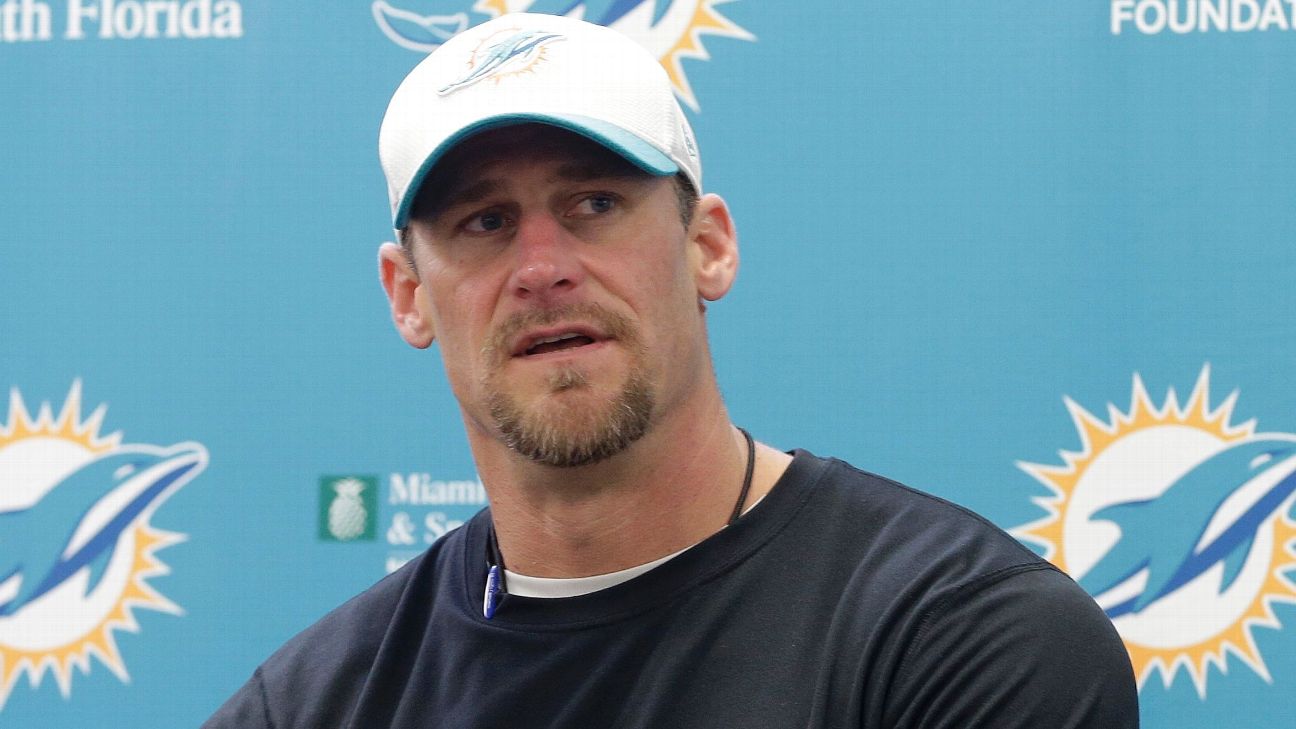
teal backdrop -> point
(1035, 258)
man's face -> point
(558, 279)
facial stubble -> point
(565, 429)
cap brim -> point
(642, 154)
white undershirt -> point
(549, 587)
(527, 586)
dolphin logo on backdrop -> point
(414, 31)
(1178, 522)
(76, 543)
(671, 30)
(1167, 536)
(44, 557)
(604, 12)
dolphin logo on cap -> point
(524, 45)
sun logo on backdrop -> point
(1177, 521)
(76, 546)
(672, 30)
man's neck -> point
(672, 488)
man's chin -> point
(575, 424)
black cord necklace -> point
(495, 588)
(747, 477)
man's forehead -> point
(479, 165)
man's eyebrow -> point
(473, 193)
(436, 204)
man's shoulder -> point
(334, 659)
(354, 631)
(960, 613)
(895, 529)
(862, 493)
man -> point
(643, 562)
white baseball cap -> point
(527, 68)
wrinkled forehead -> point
(486, 156)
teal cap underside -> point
(642, 154)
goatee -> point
(569, 434)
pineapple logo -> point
(348, 508)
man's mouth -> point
(571, 340)
(556, 340)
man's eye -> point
(595, 205)
(486, 223)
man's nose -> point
(547, 261)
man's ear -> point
(409, 304)
(713, 247)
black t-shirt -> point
(841, 600)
